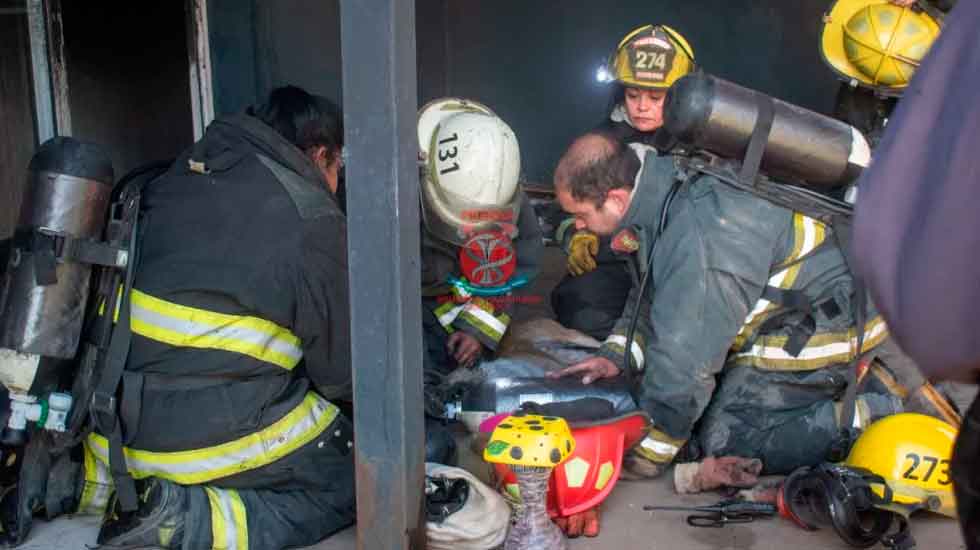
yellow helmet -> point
(876, 44)
(652, 56)
(911, 452)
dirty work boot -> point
(158, 521)
(636, 467)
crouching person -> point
(716, 346)
(239, 324)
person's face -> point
(645, 108)
(602, 220)
(328, 165)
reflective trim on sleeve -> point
(98, 484)
(808, 234)
(486, 322)
(447, 313)
(822, 350)
(300, 426)
(618, 342)
(229, 523)
(658, 447)
(184, 326)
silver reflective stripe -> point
(191, 329)
(487, 318)
(635, 350)
(779, 278)
(103, 489)
(816, 352)
(223, 532)
(659, 447)
(201, 465)
(446, 319)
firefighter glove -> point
(582, 250)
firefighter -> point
(239, 341)
(875, 47)
(709, 340)
(645, 64)
(481, 244)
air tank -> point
(44, 293)
(708, 113)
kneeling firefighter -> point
(875, 46)
(746, 321)
(480, 244)
(230, 335)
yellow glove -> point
(581, 252)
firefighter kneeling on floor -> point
(239, 336)
(721, 360)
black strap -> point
(757, 142)
(103, 404)
(859, 304)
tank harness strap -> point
(839, 450)
(757, 142)
(103, 405)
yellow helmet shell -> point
(530, 440)
(652, 56)
(875, 43)
(912, 453)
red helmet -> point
(589, 474)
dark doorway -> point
(128, 78)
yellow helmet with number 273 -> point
(912, 453)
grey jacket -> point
(706, 305)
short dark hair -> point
(595, 164)
(305, 120)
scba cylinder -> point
(709, 113)
(45, 290)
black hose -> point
(644, 281)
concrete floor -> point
(625, 525)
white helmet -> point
(471, 166)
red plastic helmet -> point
(589, 474)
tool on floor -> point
(722, 513)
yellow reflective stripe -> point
(97, 487)
(115, 316)
(659, 447)
(618, 343)
(300, 426)
(447, 313)
(822, 350)
(808, 234)
(185, 326)
(229, 529)
(485, 322)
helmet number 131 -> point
(447, 153)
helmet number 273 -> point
(916, 460)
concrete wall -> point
(533, 61)
(16, 123)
